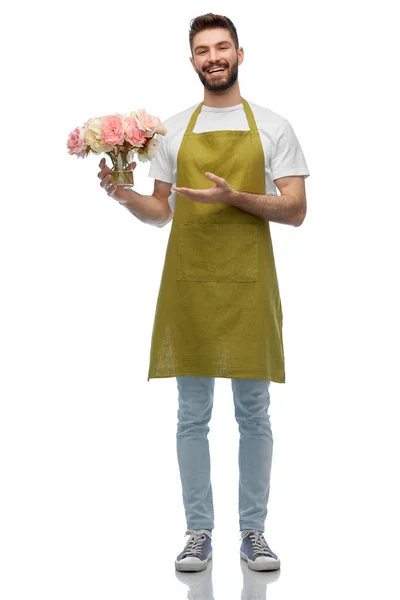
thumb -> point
(212, 176)
(132, 164)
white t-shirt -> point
(282, 152)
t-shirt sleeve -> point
(288, 158)
(160, 165)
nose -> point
(214, 60)
(214, 57)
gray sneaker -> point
(256, 551)
(196, 553)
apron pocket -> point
(226, 252)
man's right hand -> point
(105, 177)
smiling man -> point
(219, 310)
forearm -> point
(280, 209)
(147, 209)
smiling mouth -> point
(217, 72)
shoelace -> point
(259, 544)
(194, 545)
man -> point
(219, 311)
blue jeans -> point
(252, 399)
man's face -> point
(215, 48)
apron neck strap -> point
(249, 114)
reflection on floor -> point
(254, 582)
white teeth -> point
(214, 70)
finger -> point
(105, 181)
(190, 192)
(110, 189)
(103, 167)
(214, 177)
(194, 193)
(104, 172)
(184, 191)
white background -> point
(90, 503)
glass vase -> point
(121, 173)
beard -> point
(222, 83)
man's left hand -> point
(221, 193)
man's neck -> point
(223, 100)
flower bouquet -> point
(120, 137)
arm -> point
(152, 210)
(289, 208)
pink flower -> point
(113, 130)
(76, 142)
(152, 124)
(134, 132)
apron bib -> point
(218, 311)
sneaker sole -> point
(271, 565)
(196, 565)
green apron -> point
(218, 312)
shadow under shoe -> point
(196, 553)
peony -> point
(76, 142)
(113, 130)
(134, 132)
(94, 137)
(150, 123)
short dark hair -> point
(211, 21)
